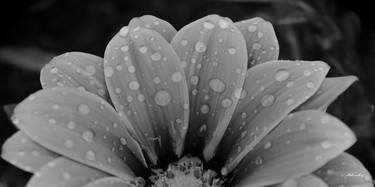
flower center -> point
(187, 172)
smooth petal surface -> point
(147, 84)
(305, 181)
(213, 54)
(75, 69)
(109, 182)
(80, 126)
(24, 153)
(330, 89)
(261, 40)
(301, 143)
(345, 170)
(153, 23)
(64, 172)
(271, 91)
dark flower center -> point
(186, 172)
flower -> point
(168, 108)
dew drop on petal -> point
(252, 28)
(237, 93)
(156, 56)
(194, 80)
(223, 24)
(217, 85)
(90, 155)
(267, 145)
(205, 109)
(156, 80)
(200, 47)
(123, 141)
(267, 100)
(326, 144)
(307, 73)
(202, 129)
(208, 25)
(71, 125)
(143, 49)
(226, 102)
(325, 119)
(310, 84)
(54, 70)
(90, 70)
(88, 135)
(68, 143)
(124, 48)
(281, 75)
(134, 85)
(290, 84)
(83, 109)
(108, 71)
(162, 98)
(257, 46)
(176, 77)
(184, 42)
(124, 31)
(232, 50)
(289, 101)
(141, 97)
(258, 160)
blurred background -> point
(339, 33)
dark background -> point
(337, 32)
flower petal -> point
(79, 125)
(301, 143)
(153, 23)
(24, 153)
(305, 181)
(330, 89)
(64, 172)
(147, 85)
(261, 40)
(109, 182)
(271, 91)
(214, 53)
(345, 170)
(75, 69)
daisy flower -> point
(209, 105)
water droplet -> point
(223, 24)
(194, 80)
(232, 51)
(184, 42)
(124, 48)
(307, 73)
(68, 143)
(202, 129)
(205, 109)
(243, 115)
(108, 71)
(176, 77)
(123, 141)
(156, 56)
(162, 98)
(90, 155)
(143, 49)
(66, 176)
(83, 109)
(54, 70)
(88, 135)
(267, 145)
(267, 100)
(258, 160)
(208, 25)
(226, 102)
(200, 47)
(310, 84)
(141, 97)
(156, 80)
(71, 125)
(257, 46)
(124, 31)
(252, 28)
(325, 119)
(289, 84)
(326, 144)
(237, 93)
(90, 70)
(217, 85)
(289, 101)
(134, 85)
(260, 34)
(55, 107)
(281, 75)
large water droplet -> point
(88, 135)
(267, 100)
(90, 155)
(162, 98)
(205, 109)
(134, 85)
(83, 109)
(156, 56)
(176, 77)
(281, 75)
(217, 85)
(200, 47)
